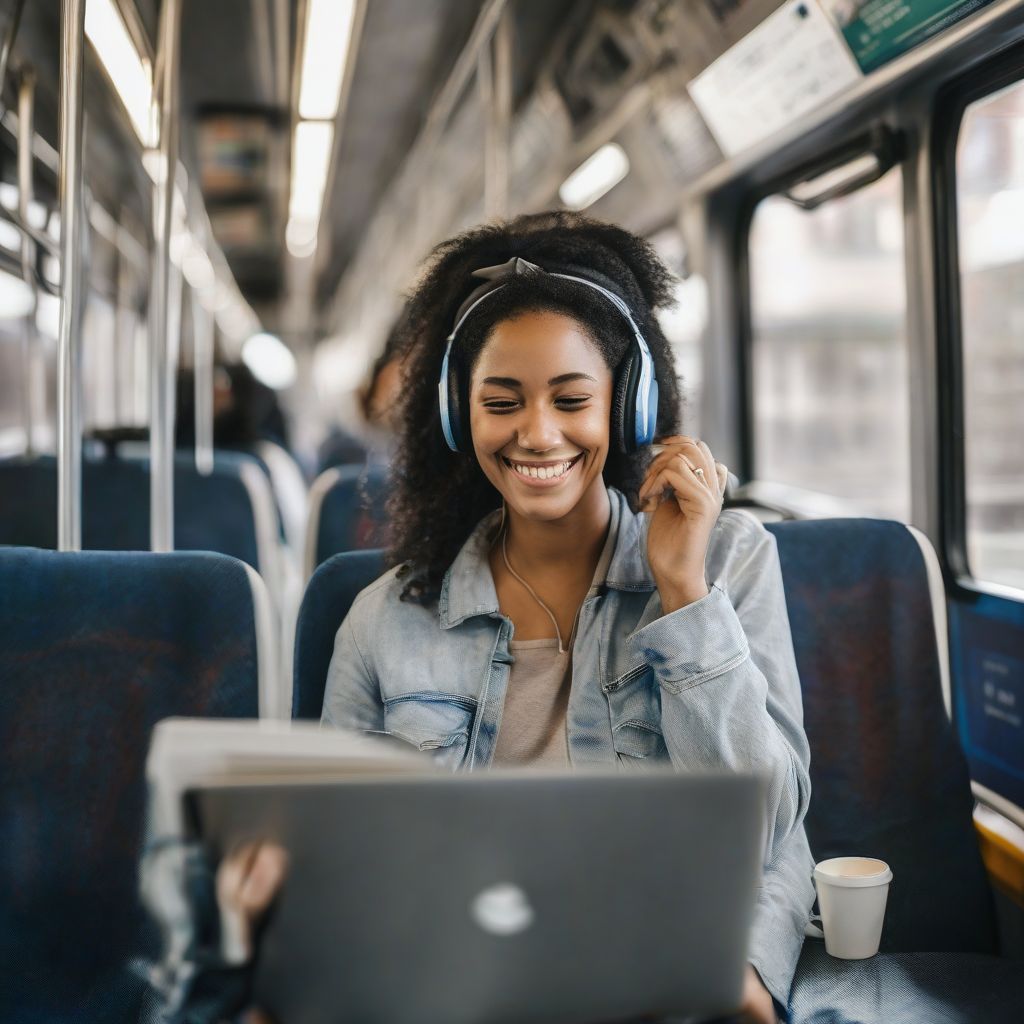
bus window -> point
(990, 202)
(830, 406)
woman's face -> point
(540, 407)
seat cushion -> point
(906, 988)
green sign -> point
(879, 30)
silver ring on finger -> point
(699, 473)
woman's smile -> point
(541, 473)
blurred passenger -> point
(379, 403)
(590, 603)
(245, 411)
(247, 417)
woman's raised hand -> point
(683, 490)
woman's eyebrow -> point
(563, 378)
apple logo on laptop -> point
(502, 909)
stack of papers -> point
(197, 753)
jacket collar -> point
(468, 586)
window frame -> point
(950, 106)
(880, 138)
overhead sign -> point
(791, 63)
(879, 30)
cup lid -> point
(853, 872)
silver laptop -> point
(502, 898)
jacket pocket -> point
(634, 701)
(439, 723)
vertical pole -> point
(7, 46)
(161, 414)
(485, 88)
(69, 396)
(29, 340)
(502, 93)
(122, 340)
(494, 78)
(203, 326)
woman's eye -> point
(500, 404)
(572, 401)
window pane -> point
(829, 359)
(684, 324)
(990, 200)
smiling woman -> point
(535, 614)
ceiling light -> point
(311, 160)
(16, 297)
(197, 268)
(48, 315)
(270, 361)
(594, 177)
(300, 237)
(324, 54)
(129, 72)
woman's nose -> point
(538, 430)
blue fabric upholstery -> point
(888, 777)
(95, 648)
(906, 988)
(211, 513)
(329, 595)
(351, 515)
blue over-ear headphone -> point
(635, 395)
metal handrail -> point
(8, 44)
(161, 371)
(69, 397)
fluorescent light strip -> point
(311, 161)
(129, 72)
(324, 55)
(597, 175)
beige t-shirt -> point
(532, 729)
(533, 722)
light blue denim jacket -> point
(710, 686)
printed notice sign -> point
(792, 62)
(878, 30)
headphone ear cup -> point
(624, 402)
(458, 407)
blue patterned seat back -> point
(351, 514)
(211, 513)
(95, 648)
(888, 777)
(329, 595)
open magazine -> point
(199, 753)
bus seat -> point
(290, 491)
(906, 988)
(231, 511)
(888, 777)
(95, 648)
(346, 512)
(329, 595)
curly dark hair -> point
(438, 496)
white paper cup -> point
(851, 894)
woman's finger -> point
(682, 483)
(710, 465)
(723, 476)
(674, 457)
(690, 451)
